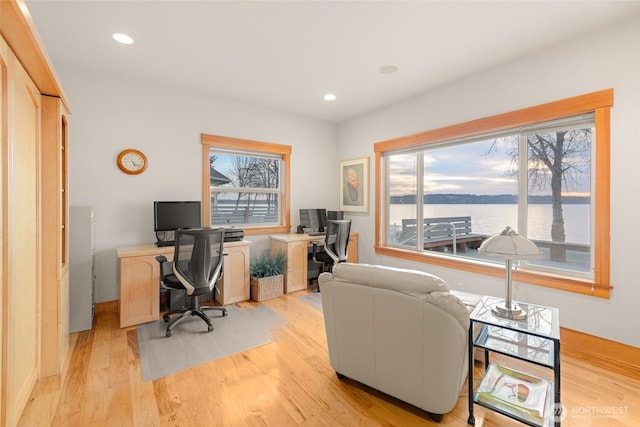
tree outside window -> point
(246, 189)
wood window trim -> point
(600, 104)
(225, 142)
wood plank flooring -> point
(288, 382)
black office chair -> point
(196, 267)
(336, 242)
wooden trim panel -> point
(526, 116)
(244, 144)
(601, 352)
(20, 33)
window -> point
(246, 184)
(443, 191)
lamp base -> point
(513, 313)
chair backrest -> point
(337, 239)
(197, 259)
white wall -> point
(110, 114)
(609, 58)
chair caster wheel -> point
(165, 318)
(168, 332)
(209, 328)
(224, 313)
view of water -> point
(491, 219)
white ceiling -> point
(287, 54)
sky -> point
(470, 168)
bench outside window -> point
(442, 234)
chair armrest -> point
(161, 259)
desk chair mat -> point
(191, 344)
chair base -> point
(328, 267)
(195, 309)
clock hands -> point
(132, 161)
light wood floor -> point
(288, 382)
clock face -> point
(132, 161)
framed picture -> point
(354, 185)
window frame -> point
(248, 146)
(599, 103)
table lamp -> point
(509, 245)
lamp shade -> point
(509, 245)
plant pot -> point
(265, 288)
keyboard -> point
(316, 233)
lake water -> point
(491, 219)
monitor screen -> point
(170, 216)
(313, 218)
(335, 215)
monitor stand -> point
(164, 238)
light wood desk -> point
(140, 277)
(295, 246)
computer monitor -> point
(171, 216)
(335, 215)
(313, 218)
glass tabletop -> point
(540, 321)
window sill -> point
(547, 280)
(275, 229)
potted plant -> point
(267, 279)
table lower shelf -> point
(515, 394)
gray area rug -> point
(191, 344)
(314, 300)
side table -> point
(535, 340)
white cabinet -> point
(82, 278)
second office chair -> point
(336, 243)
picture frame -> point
(354, 185)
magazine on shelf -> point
(514, 392)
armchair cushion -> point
(419, 284)
(412, 282)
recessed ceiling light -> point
(329, 97)
(388, 69)
(122, 38)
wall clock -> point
(132, 161)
